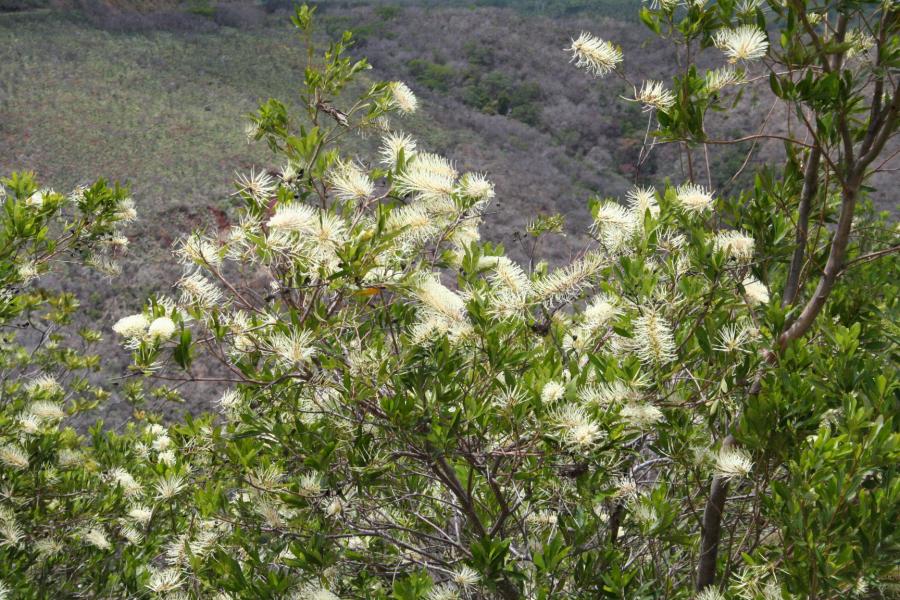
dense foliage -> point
(701, 404)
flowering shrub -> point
(54, 487)
(408, 413)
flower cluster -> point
(597, 56)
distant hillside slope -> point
(613, 8)
(158, 100)
(162, 106)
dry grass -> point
(160, 111)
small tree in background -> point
(54, 493)
(701, 403)
(833, 75)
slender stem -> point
(712, 528)
(832, 269)
(810, 187)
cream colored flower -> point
(104, 264)
(293, 348)
(466, 577)
(605, 394)
(251, 130)
(756, 292)
(13, 457)
(161, 328)
(46, 547)
(310, 484)
(614, 226)
(126, 213)
(166, 457)
(133, 326)
(746, 42)
(35, 200)
(718, 79)
(294, 217)
(640, 415)
(131, 534)
(710, 593)
(444, 591)
(124, 479)
(626, 487)
(47, 411)
(640, 200)
(861, 42)
(655, 341)
(428, 177)
(477, 186)
(329, 230)
(27, 272)
(576, 429)
(11, 534)
(319, 593)
(140, 514)
(289, 173)
(694, 198)
(195, 249)
(162, 442)
(229, 401)
(197, 289)
(735, 244)
(732, 339)
(350, 182)
(43, 384)
(597, 56)
(509, 276)
(746, 7)
(97, 538)
(404, 99)
(29, 424)
(164, 581)
(69, 458)
(440, 299)
(542, 519)
(392, 145)
(258, 184)
(552, 392)
(732, 463)
(169, 486)
(565, 284)
(654, 95)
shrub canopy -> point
(701, 403)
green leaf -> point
(183, 351)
